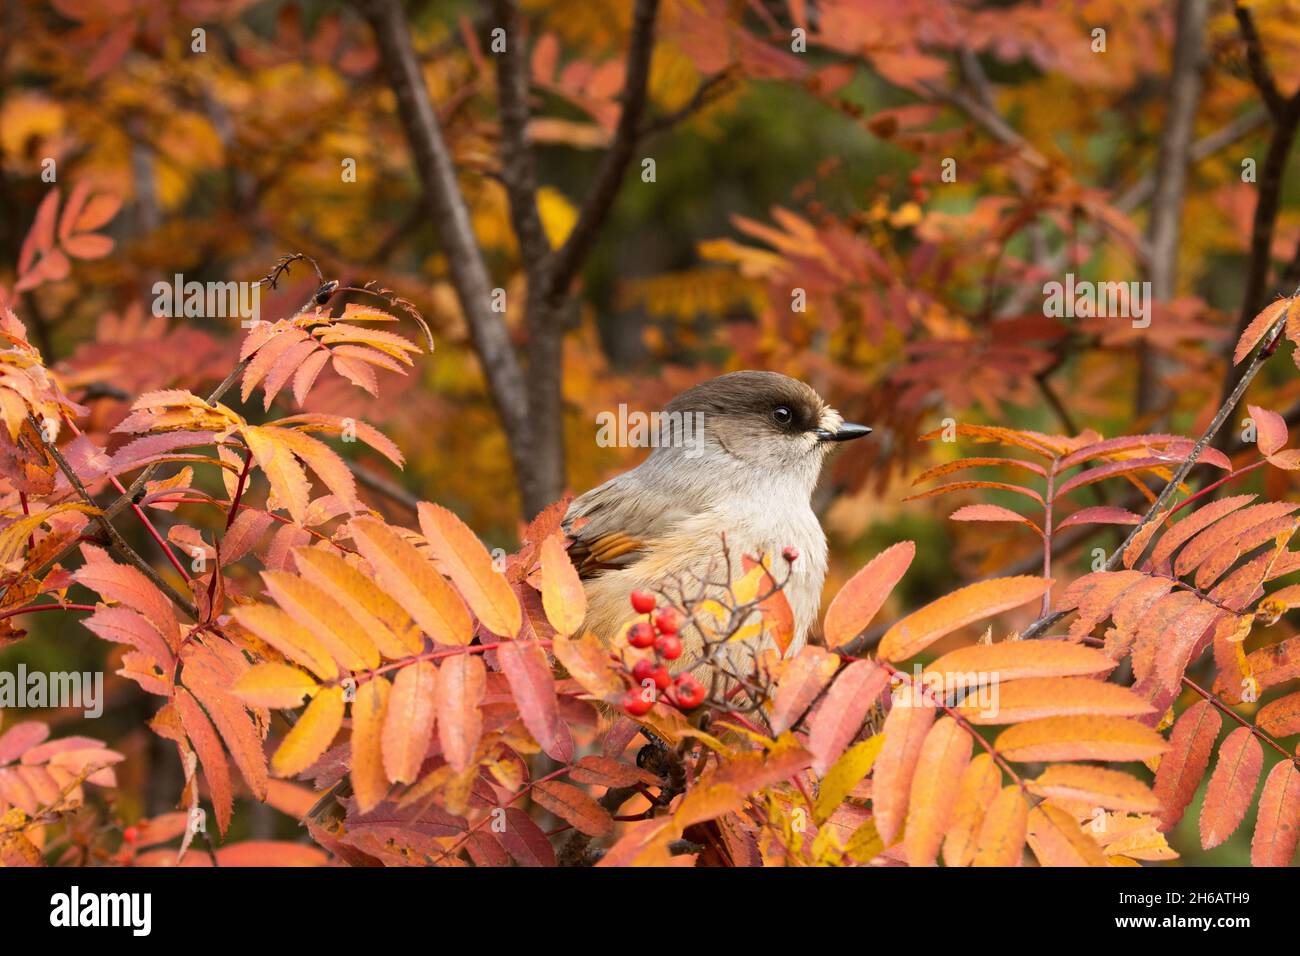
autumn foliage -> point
(1092, 656)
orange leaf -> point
(1099, 786)
(207, 745)
(311, 735)
(904, 730)
(1001, 839)
(413, 582)
(607, 772)
(1278, 825)
(1036, 697)
(462, 682)
(859, 600)
(533, 686)
(919, 630)
(587, 661)
(1181, 770)
(1232, 786)
(979, 785)
(799, 682)
(563, 597)
(1018, 660)
(1080, 738)
(944, 757)
(1056, 839)
(994, 513)
(368, 711)
(1258, 328)
(325, 618)
(470, 568)
(408, 721)
(839, 717)
(574, 806)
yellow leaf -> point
(311, 735)
(274, 627)
(557, 213)
(470, 568)
(378, 615)
(413, 582)
(978, 786)
(1001, 838)
(325, 618)
(1056, 839)
(368, 709)
(854, 764)
(273, 685)
(287, 478)
(563, 597)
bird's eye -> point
(782, 415)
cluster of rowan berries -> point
(652, 677)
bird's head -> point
(771, 422)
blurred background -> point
(868, 195)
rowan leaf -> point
(273, 685)
(1056, 839)
(575, 807)
(993, 513)
(1001, 839)
(1182, 768)
(943, 758)
(274, 627)
(904, 730)
(1280, 717)
(1231, 788)
(1106, 514)
(470, 568)
(410, 578)
(1035, 697)
(216, 769)
(378, 615)
(847, 773)
(1277, 827)
(798, 683)
(327, 620)
(842, 711)
(976, 789)
(533, 686)
(369, 710)
(608, 772)
(1098, 786)
(409, 720)
(858, 601)
(1019, 660)
(277, 461)
(311, 735)
(1079, 738)
(587, 661)
(462, 682)
(563, 597)
(917, 631)
(1258, 328)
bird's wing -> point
(614, 525)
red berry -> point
(688, 693)
(915, 177)
(641, 634)
(131, 834)
(635, 703)
(920, 195)
(643, 602)
(667, 620)
(669, 646)
(790, 553)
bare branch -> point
(518, 168)
(1260, 74)
(567, 260)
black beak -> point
(848, 431)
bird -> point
(744, 454)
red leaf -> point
(1232, 785)
(1278, 825)
(841, 713)
(529, 673)
(1183, 767)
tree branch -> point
(450, 215)
(1260, 74)
(567, 260)
(518, 168)
(1225, 409)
